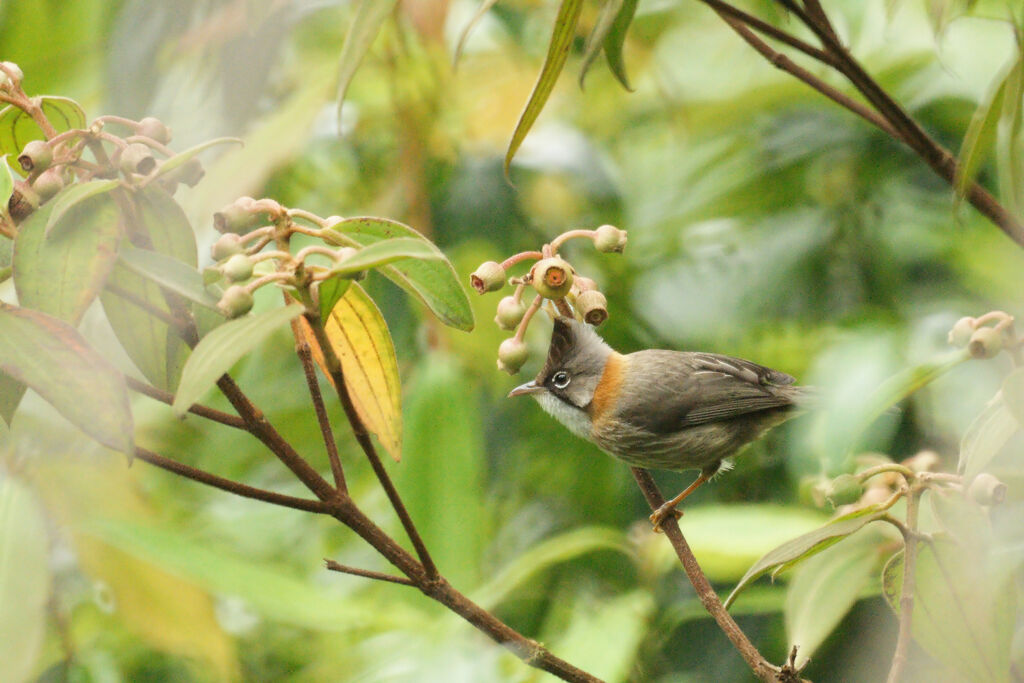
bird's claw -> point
(659, 515)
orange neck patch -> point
(607, 392)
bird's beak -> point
(525, 389)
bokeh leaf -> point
(51, 357)
(980, 137)
(385, 252)
(558, 51)
(360, 339)
(72, 196)
(824, 588)
(616, 38)
(370, 16)
(11, 392)
(802, 547)
(595, 41)
(63, 274)
(156, 349)
(17, 128)
(222, 348)
(24, 579)
(168, 272)
(1011, 122)
(1013, 394)
(6, 181)
(483, 8)
(986, 436)
(963, 614)
(181, 158)
(433, 282)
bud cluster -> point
(554, 280)
(982, 340)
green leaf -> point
(985, 437)
(24, 580)
(168, 272)
(825, 587)
(11, 392)
(384, 252)
(484, 7)
(1013, 394)
(181, 158)
(62, 275)
(72, 196)
(793, 552)
(51, 357)
(330, 292)
(18, 128)
(6, 182)
(444, 488)
(615, 39)
(222, 348)
(433, 282)
(370, 16)
(595, 41)
(548, 553)
(964, 612)
(1008, 152)
(980, 137)
(158, 351)
(558, 51)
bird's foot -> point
(659, 515)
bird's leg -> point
(669, 508)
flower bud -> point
(137, 158)
(237, 217)
(552, 277)
(987, 490)
(845, 489)
(237, 268)
(489, 277)
(608, 239)
(16, 75)
(48, 183)
(961, 332)
(23, 201)
(986, 342)
(154, 129)
(592, 306)
(36, 156)
(236, 301)
(510, 312)
(226, 246)
(584, 284)
(512, 355)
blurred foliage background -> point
(764, 222)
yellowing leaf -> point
(361, 340)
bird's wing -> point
(675, 390)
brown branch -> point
(306, 356)
(363, 438)
(366, 573)
(196, 409)
(761, 667)
(724, 10)
(903, 638)
(237, 488)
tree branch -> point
(306, 356)
(196, 409)
(366, 573)
(899, 657)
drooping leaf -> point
(24, 580)
(824, 588)
(369, 17)
(1008, 150)
(62, 275)
(11, 392)
(17, 128)
(385, 252)
(72, 196)
(222, 348)
(558, 51)
(432, 281)
(6, 181)
(964, 612)
(616, 38)
(483, 8)
(595, 41)
(985, 437)
(980, 137)
(158, 223)
(169, 273)
(181, 158)
(360, 339)
(51, 357)
(793, 552)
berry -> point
(236, 217)
(510, 312)
(137, 158)
(155, 129)
(592, 306)
(237, 268)
(36, 156)
(608, 239)
(226, 246)
(48, 183)
(961, 332)
(236, 301)
(512, 355)
(552, 277)
(845, 489)
(489, 277)
(987, 490)
(986, 342)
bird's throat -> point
(575, 420)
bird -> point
(660, 409)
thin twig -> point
(197, 409)
(131, 297)
(366, 573)
(899, 657)
(237, 488)
(764, 28)
(761, 667)
(306, 356)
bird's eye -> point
(560, 379)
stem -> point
(366, 573)
(899, 657)
(761, 667)
(196, 409)
(568, 235)
(306, 356)
(521, 256)
(239, 489)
